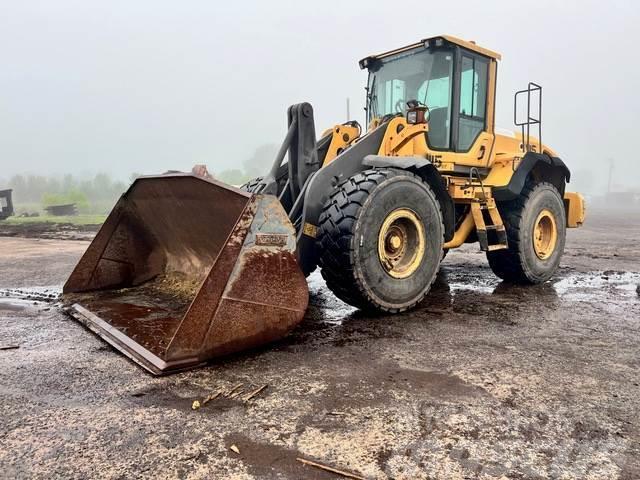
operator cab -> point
(449, 76)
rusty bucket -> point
(185, 269)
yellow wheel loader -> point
(186, 268)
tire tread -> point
(336, 238)
(510, 264)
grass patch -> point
(74, 220)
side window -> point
(473, 101)
(435, 93)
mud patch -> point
(432, 384)
(49, 230)
(159, 396)
(271, 461)
(181, 398)
(382, 383)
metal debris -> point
(235, 449)
(255, 392)
(330, 469)
(9, 347)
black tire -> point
(348, 239)
(520, 263)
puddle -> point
(462, 286)
(18, 305)
(453, 281)
(42, 294)
(599, 286)
(488, 287)
(607, 285)
(326, 307)
(272, 461)
(19, 299)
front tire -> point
(536, 230)
(380, 240)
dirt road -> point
(484, 380)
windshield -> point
(423, 75)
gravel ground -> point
(483, 380)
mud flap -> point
(186, 269)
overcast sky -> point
(149, 85)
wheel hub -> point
(401, 243)
(545, 234)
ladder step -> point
(482, 228)
(483, 239)
(502, 237)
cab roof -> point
(470, 45)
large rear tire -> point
(536, 229)
(380, 240)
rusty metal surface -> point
(267, 294)
(195, 325)
(186, 269)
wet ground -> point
(49, 230)
(484, 380)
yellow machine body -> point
(186, 268)
(497, 154)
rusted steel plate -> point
(186, 269)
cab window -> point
(473, 100)
(422, 75)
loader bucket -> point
(186, 269)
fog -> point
(145, 86)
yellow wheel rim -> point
(545, 234)
(401, 243)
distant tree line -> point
(256, 165)
(99, 194)
(91, 195)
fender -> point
(539, 165)
(430, 174)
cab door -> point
(472, 112)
